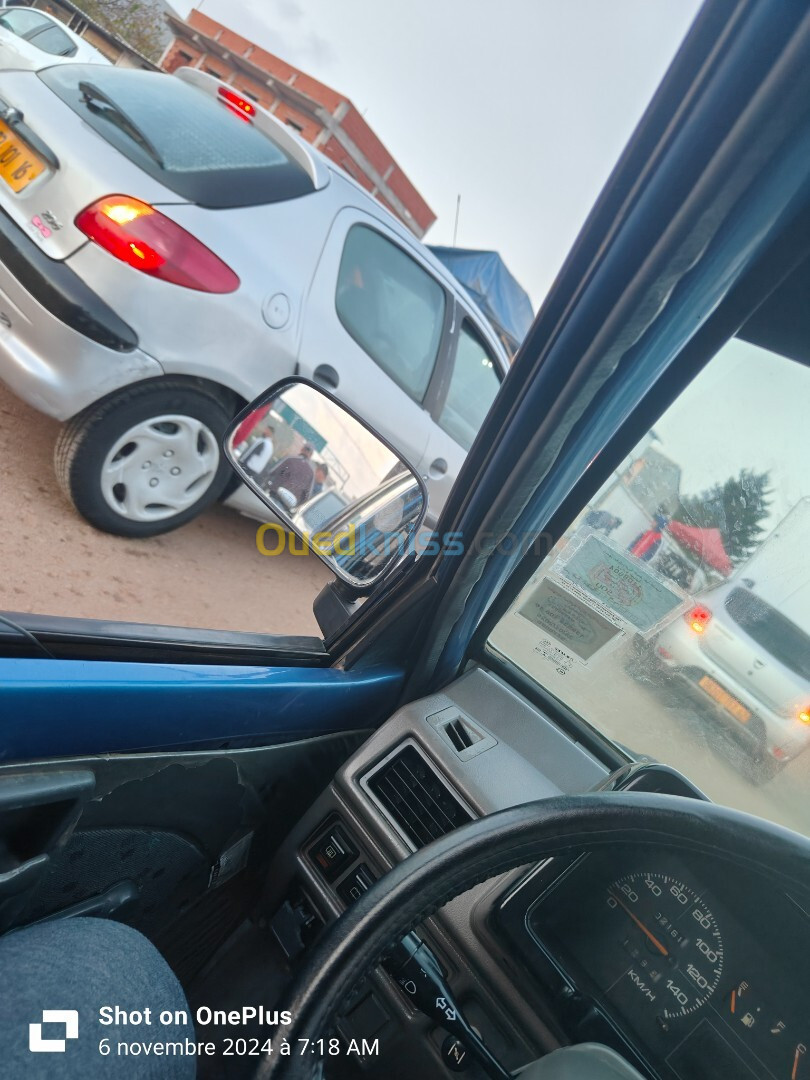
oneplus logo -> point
(68, 1017)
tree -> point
(736, 507)
(140, 23)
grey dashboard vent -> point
(416, 799)
(458, 730)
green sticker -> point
(621, 582)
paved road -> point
(659, 720)
(207, 574)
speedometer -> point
(671, 938)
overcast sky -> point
(745, 410)
(521, 106)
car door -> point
(467, 386)
(374, 328)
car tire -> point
(147, 459)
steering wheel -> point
(495, 844)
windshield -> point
(674, 614)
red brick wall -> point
(174, 60)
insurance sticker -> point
(620, 581)
(576, 625)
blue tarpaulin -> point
(485, 277)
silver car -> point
(750, 664)
(167, 250)
(31, 39)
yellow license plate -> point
(729, 703)
(19, 165)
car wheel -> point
(147, 459)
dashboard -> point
(694, 966)
(691, 968)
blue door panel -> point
(54, 708)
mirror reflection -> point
(330, 479)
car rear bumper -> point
(61, 346)
(688, 661)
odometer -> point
(671, 939)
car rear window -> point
(770, 629)
(180, 135)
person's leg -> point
(80, 966)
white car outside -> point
(177, 250)
(749, 663)
(30, 39)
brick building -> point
(319, 114)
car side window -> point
(391, 307)
(473, 386)
(54, 41)
(23, 21)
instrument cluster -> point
(696, 967)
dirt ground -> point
(207, 574)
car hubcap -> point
(159, 468)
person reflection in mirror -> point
(321, 473)
(257, 457)
(240, 437)
(294, 474)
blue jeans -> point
(81, 966)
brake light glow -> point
(698, 619)
(139, 235)
(237, 104)
(804, 716)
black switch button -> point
(332, 853)
(355, 884)
(454, 1054)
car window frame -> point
(442, 388)
(693, 358)
(447, 322)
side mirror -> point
(326, 476)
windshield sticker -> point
(576, 625)
(620, 581)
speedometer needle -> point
(661, 948)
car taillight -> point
(698, 619)
(237, 104)
(141, 236)
(804, 715)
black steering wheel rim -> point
(421, 884)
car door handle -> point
(759, 664)
(437, 469)
(326, 375)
